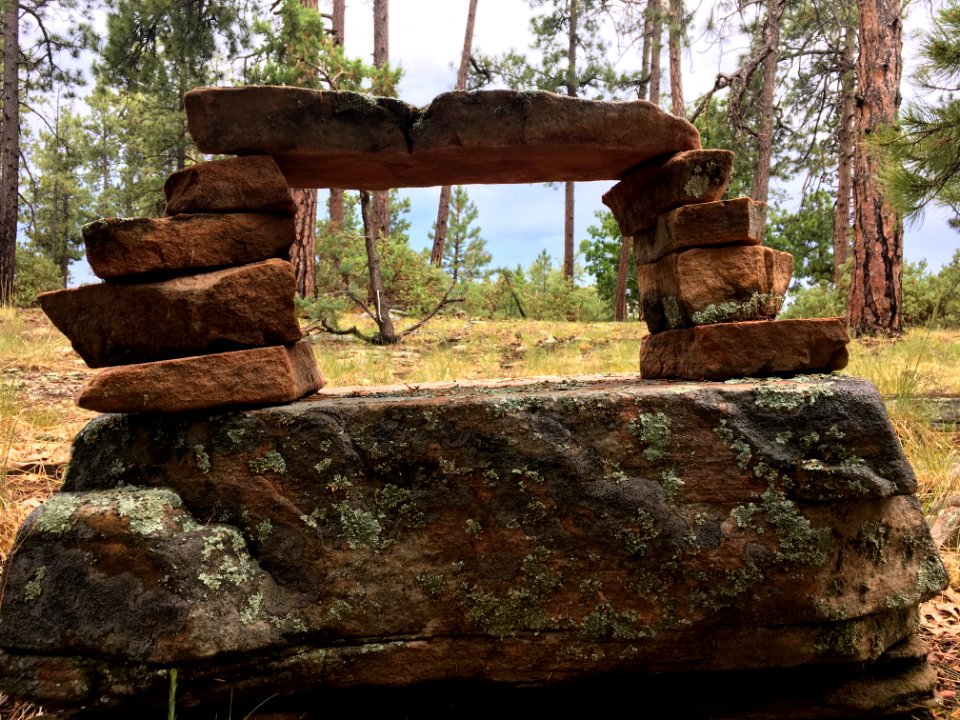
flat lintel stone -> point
(746, 349)
(341, 139)
(261, 376)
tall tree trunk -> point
(643, 87)
(304, 247)
(305, 222)
(675, 39)
(875, 286)
(335, 203)
(568, 194)
(760, 189)
(380, 211)
(655, 8)
(841, 209)
(443, 210)
(379, 300)
(9, 150)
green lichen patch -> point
(758, 305)
(608, 623)
(250, 612)
(397, 503)
(798, 540)
(780, 395)
(203, 460)
(225, 557)
(433, 586)
(671, 311)
(144, 508)
(743, 516)
(871, 541)
(359, 527)
(737, 444)
(518, 610)
(698, 183)
(34, 588)
(726, 591)
(652, 429)
(932, 576)
(840, 640)
(670, 482)
(635, 540)
(270, 461)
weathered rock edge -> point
(552, 532)
(343, 139)
(256, 377)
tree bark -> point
(379, 300)
(335, 202)
(675, 38)
(305, 221)
(303, 249)
(620, 309)
(443, 209)
(643, 87)
(875, 286)
(841, 209)
(568, 194)
(9, 150)
(760, 188)
(380, 210)
(655, 8)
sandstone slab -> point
(746, 349)
(553, 532)
(231, 309)
(694, 176)
(328, 139)
(262, 376)
(726, 222)
(248, 184)
(710, 285)
(123, 247)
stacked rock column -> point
(197, 310)
(705, 279)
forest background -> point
(100, 125)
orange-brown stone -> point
(329, 139)
(726, 222)
(248, 184)
(709, 285)
(695, 176)
(122, 247)
(746, 349)
(232, 309)
(261, 376)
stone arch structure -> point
(465, 542)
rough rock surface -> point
(232, 309)
(262, 376)
(327, 139)
(746, 349)
(761, 534)
(248, 184)
(712, 285)
(726, 222)
(695, 176)
(121, 247)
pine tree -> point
(465, 255)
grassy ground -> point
(40, 374)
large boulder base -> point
(757, 538)
(695, 176)
(261, 376)
(713, 285)
(124, 247)
(746, 349)
(248, 184)
(232, 309)
(343, 139)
